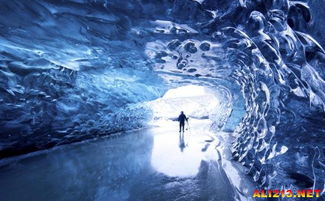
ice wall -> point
(72, 68)
(66, 75)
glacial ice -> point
(77, 69)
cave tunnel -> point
(91, 93)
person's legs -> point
(182, 125)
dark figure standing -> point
(182, 118)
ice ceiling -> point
(78, 69)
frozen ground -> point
(153, 164)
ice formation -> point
(76, 69)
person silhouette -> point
(182, 118)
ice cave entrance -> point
(205, 107)
(197, 102)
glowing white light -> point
(179, 163)
(200, 104)
(195, 101)
(186, 91)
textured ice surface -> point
(71, 69)
(155, 164)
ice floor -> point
(145, 165)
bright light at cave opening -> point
(200, 104)
(186, 91)
(196, 102)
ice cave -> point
(91, 92)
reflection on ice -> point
(155, 164)
(176, 155)
(182, 144)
